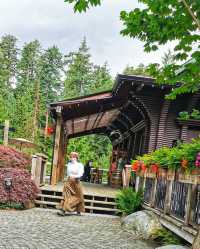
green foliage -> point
(83, 5)
(95, 147)
(12, 205)
(82, 76)
(129, 201)
(31, 78)
(156, 24)
(184, 115)
(139, 70)
(195, 114)
(171, 157)
(166, 237)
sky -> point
(53, 22)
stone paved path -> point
(43, 229)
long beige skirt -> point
(73, 199)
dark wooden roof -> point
(96, 112)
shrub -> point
(11, 205)
(23, 188)
(195, 114)
(12, 158)
(184, 115)
(172, 158)
(129, 201)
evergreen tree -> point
(50, 76)
(79, 72)
(27, 90)
(8, 62)
(141, 69)
(102, 80)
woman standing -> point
(73, 199)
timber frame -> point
(135, 108)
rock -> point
(196, 242)
(172, 247)
(143, 224)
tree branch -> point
(191, 13)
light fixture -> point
(8, 183)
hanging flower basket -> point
(170, 174)
(50, 131)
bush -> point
(12, 158)
(23, 188)
(11, 205)
(128, 201)
(172, 158)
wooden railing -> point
(174, 194)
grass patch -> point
(166, 237)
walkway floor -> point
(88, 188)
(43, 229)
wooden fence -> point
(173, 194)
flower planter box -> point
(162, 173)
(170, 175)
(196, 172)
(191, 122)
(150, 174)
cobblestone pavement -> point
(42, 229)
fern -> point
(129, 201)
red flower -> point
(184, 163)
(136, 166)
(154, 168)
(143, 167)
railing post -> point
(168, 197)
(153, 194)
(193, 203)
(188, 205)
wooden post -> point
(54, 177)
(168, 197)
(188, 205)
(193, 202)
(6, 130)
(61, 161)
(153, 194)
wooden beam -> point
(100, 111)
(86, 123)
(98, 122)
(72, 126)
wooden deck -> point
(88, 189)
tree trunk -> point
(196, 243)
(36, 110)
